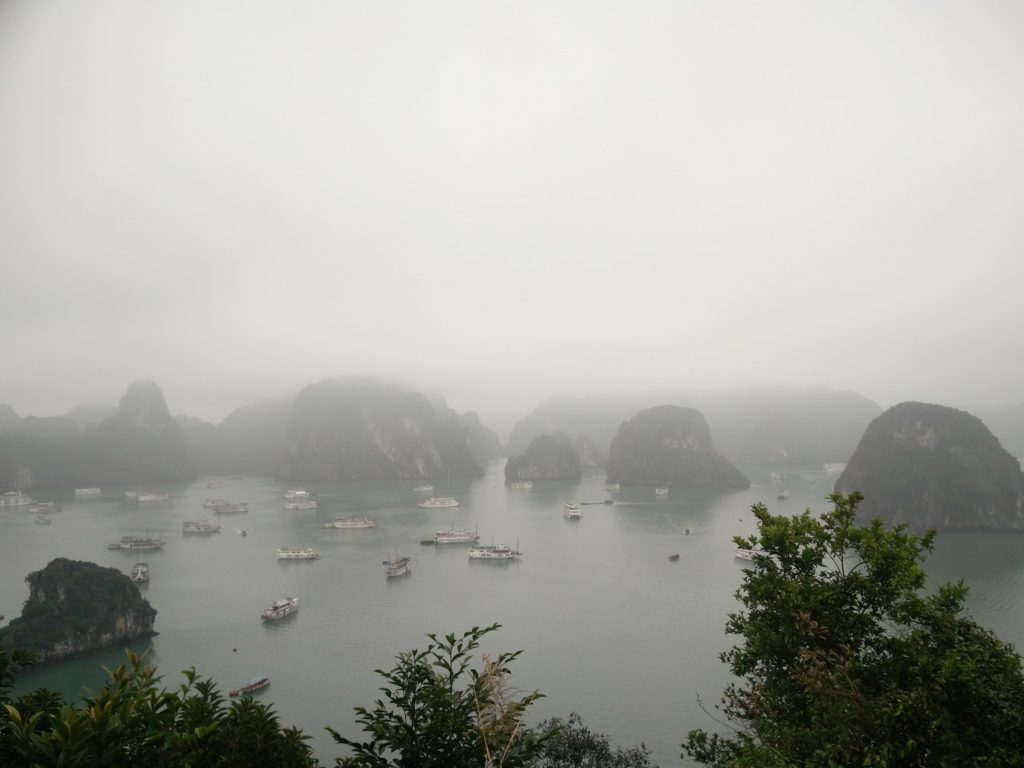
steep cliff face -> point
(367, 430)
(931, 466)
(76, 607)
(670, 446)
(548, 457)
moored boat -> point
(351, 522)
(145, 497)
(214, 503)
(301, 504)
(232, 508)
(278, 609)
(500, 552)
(523, 485)
(296, 493)
(88, 492)
(250, 686)
(424, 489)
(45, 508)
(139, 543)
(661, 491)
(613, 486)
(571, 511)
(296, 553)
(438, 502)
(199, 526)
(463, 536)
(397, 567)
(15, 499)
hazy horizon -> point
(505, 203)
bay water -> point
(609, 625)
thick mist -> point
(506, 202)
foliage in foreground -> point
(846, 661)
(132, 721)
(439, 712)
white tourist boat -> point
(278, 609)
(232, 508)
(745, 554)
(501, 552)
(214, 503)
(613, 486)
(296, 553)
(438, 502)
(571, 511)
(523, 485)
(398, 567)
(80, 492)
(293, 494)
(463, 536)
(424, 489)
(199, 526)
(351, 522)
(139, 543)
(143, 497)
(15, 499)
(45, 508)
(140, 572)
(301, 504)
(661, 491)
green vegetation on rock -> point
(76, 607)
(669, 446)
(935, 467)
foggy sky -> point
(502, 202)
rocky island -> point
(670, 446)
(931, 466)
(75, 608)
(548, 457)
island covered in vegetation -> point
(75, 608)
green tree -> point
(573, 745)
(439, 712)
(845, 659)
(133, 721)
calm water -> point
(610, 627)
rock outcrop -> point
(548, 457)
(368, 430)
(75, 608)
(931, 466)
(670, 446)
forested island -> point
(75, 608)
(670, 446)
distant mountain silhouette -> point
(548, 457)
(368, 430)
(140, 443)
(759, 426)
